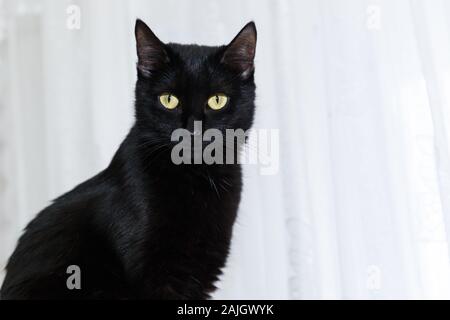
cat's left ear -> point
(152, 55)
(239, 55)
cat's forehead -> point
(195, 71)
(191, 54)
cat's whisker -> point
(213, 185)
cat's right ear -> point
(151, 51)
(239, 55)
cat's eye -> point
(218, 101)
(169, 101)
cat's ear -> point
(151, 52)
(239, 55)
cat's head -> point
(179, 84)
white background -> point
(360, 91)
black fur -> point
(145, 228)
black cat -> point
(146, 228)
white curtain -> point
(360, 91)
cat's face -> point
(179, 84)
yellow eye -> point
(169, 101)
(217, 101)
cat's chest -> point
(188, 235)
(197, 196)
(195, 214)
